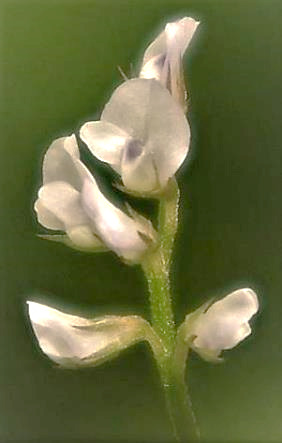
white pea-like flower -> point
(223, 324)
(71, 201)
(143, 134)
(163, 58)
(72, 341)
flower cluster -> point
(144, 136)
(71, 201)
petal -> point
(76, 341)
(46, 218)
(138, 170)
(157, 47)
(117, 230)
(178, 37)
(153, 68)
(81, 241)
(146, 111)
(171, 42)
(83, 238)
(106, 141)
(58, 163)
(62, 200)
(179, 34)
(243, 303)
(225, 323)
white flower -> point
(71, 201)
(73, 341)
(163, 58)
(224, 324)
(143, 134)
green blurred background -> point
(58, 68)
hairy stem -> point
(157, 267)
(157, 275)
(168, 220)
(181, 394)
(180, 411)
(172, 361)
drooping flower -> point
(72, 341)
(163, 58)
(143, 134)
(71, 201)
(223, 324)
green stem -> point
(181, 393)
(168, 219)
(172, 361)
(180, 411)
(156, 272)
(157, 267)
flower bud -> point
(72, 341)
(163, 58)
(221, 325)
